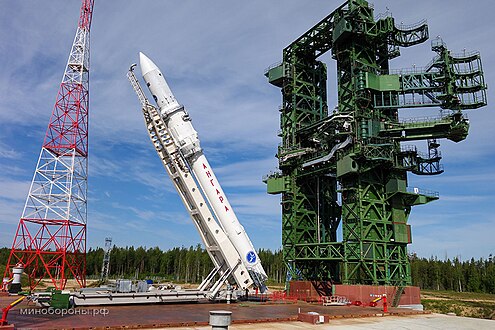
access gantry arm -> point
(450, 81)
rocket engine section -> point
(186, 139)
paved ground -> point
(245, 316)
(412, 322)
(26, 315)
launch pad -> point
(180, 315)
(344, 169)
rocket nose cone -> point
(146, 64)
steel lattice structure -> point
(105, 268)
(50, 240)
(348, 168)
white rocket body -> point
(186, 138)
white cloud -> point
(10, 213)
(467, 199)
(247, 173)
(138, 169)
(8, 152)
(472, 238)
(256, 204)
(214, 63)
(13, 190)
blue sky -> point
(214, 54)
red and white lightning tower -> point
(50, 240)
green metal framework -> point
(348, 167)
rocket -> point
(186, 139)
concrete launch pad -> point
(411, 322)
(177, 315)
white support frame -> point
(222, 252)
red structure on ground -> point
(310, 291)
(50, 240)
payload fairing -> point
(186, 139)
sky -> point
(214, 55)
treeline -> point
(471, 276)
(192, 264)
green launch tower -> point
(348, 166)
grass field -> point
(468, 304)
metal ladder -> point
(398, 294)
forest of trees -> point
(192, 264)
(472, 276)
(178, 264)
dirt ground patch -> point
(465, 304)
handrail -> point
(383, 15)
(274, 65)
(415, 69)
(429, 119)
(425, 192)
(464, 55)
(410, 27)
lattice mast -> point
(105, 268)
(50, 240)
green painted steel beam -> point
(348, 168)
